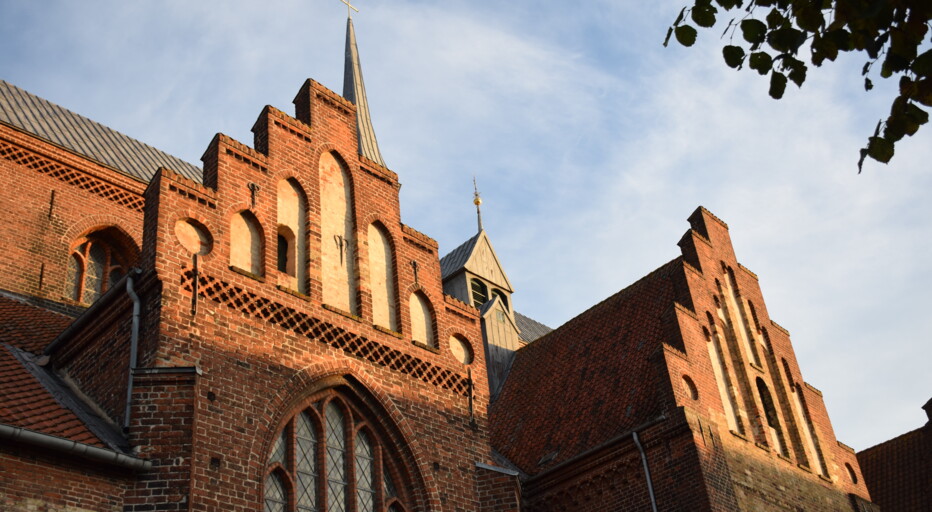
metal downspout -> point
(650, 484)
(133, 348)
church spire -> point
(477, 201)
(354, 90)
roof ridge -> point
(27, 112)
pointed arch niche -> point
(246, 243)
(382, 278)
(291, 252)
(422, 320)
(332, 454)
(338, 238)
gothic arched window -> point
(329, 458)
(96, 263)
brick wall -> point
(58, 198)
(34, 480)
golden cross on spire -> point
(349, 13)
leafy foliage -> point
(773, 33)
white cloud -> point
(591, 143)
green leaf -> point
(868, 85)
(880, 149)
(777, 85)
(841, 39)
(775, 19)
(754, 31)
(686, 35)
(761, 62)
(809, 17)
(666, 40)
(861, 160)
(797, 70)
(786, 40)
(895, 128)
(704, 15)
(924, 92)
(728, 4)
(915, 114)
(734, 56)
(922, 66)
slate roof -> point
(62, 127)
(455, 259)
(898, 473)
(530, 329)
(603, 362)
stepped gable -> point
(37, 116)
(602, 356)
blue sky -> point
(591, 144)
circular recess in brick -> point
(194, 236)
(690, 387)
(460, 349)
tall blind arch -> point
(338, 235)
(382, 278)
(246, 242)
(422, 320)
(292, 233)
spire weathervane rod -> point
(349, 13)
(477, 201)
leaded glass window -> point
(387, 483)
(365, 488)
(94, 266)
(336, 459)
(354, 475)
(306, 445)
(275, 496)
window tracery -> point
(95, 265)
(328, 458)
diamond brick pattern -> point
(301, 323)
(71, 176)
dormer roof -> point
(477, 256)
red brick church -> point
(262, 332)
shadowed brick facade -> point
(265, 333)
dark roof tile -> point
(603, 358)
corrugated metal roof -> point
(354, 90)
(458, 257)
(42, 118)
(530, 329)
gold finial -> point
(477, 201)
(349, 13)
